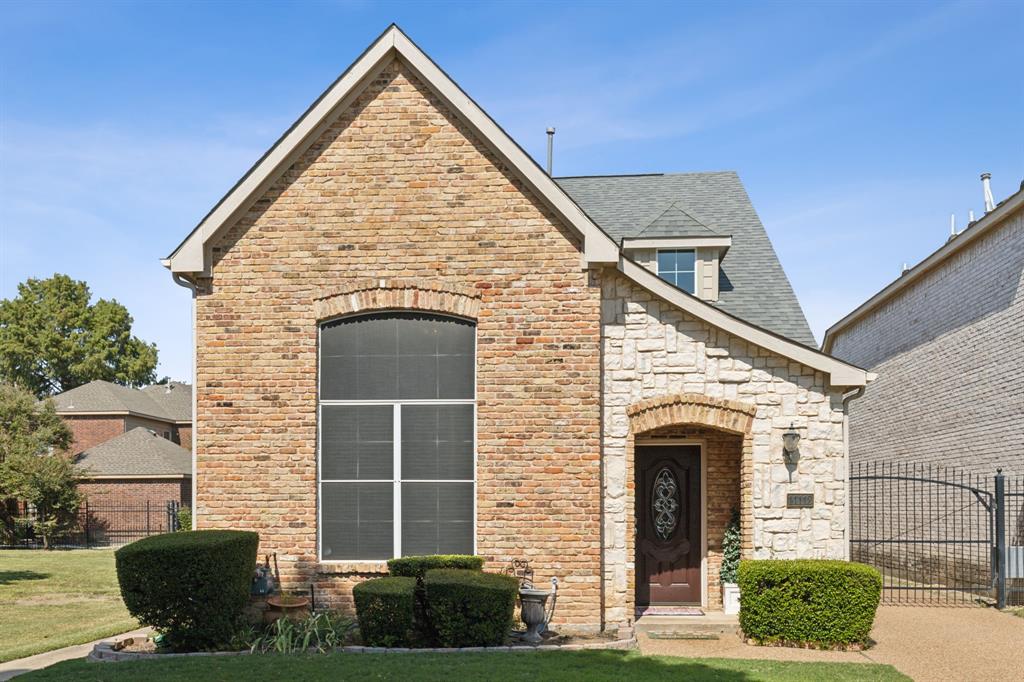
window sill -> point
(341, 567)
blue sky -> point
(857, 128)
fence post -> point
(147, 519)
(1000, 539)
(88, 539)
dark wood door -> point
(668, 542)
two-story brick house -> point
(134, 443)
(411, 339)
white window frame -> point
(396, 478)
(696, 267)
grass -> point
(495, 667)
(53, 599)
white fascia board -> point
(961, 241)
(839, 373)
(721, 243)
(193, 256)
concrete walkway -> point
(48, 658)
(923, 643)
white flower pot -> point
(731, 598)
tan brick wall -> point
(90, 431)
(954, 341)
(398, 189)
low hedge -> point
(818, 602)
(469, 608)
(385, 608)
(192, 585)
(417, 566)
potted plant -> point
(730, 564)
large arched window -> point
(397, 436)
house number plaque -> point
(800, 500)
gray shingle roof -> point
(138, 452)
(171, 402)
(752, 284)
(676, 221)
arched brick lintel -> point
(691, 408)
(380, 294)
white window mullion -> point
(397, 475)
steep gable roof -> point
(193, 257)
(138, 452)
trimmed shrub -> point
(192, 586)
(819, 602)
(417, 566)
(385, 607)
(470, 608)
(184, 519)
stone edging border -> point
(106, 653)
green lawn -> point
(54, 599)
(494, 667)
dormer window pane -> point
(678, 267)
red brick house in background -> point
(410, 339)
(135, 443)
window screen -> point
(678, 268)
(397, 436)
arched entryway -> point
(689, 460)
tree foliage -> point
(35, 465)
(52, 339)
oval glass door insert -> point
(665, 503)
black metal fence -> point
(939, 534)
(100, 525)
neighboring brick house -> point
(135, 443)
(410, 339)
(950, 333)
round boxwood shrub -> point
(469, 608)
(384, 608)
(192, 586)
(812, 601)
(417, 566)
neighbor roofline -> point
(839, 373)
(120, 413)
(193, 256)
(975, 231)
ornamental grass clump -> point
(190, 586)
(808, 602)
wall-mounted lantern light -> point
(791, 445)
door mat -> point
(668, 611)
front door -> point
(668, 529)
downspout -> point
(847, 399)
(182, 281)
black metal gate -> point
(937, 534)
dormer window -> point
(679, 268)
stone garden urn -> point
(533, 611)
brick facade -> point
(398, 189)
(89, 430)
(136, 492)
(953, 340)
(399, 206)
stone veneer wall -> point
(397, 189)
(651, 349)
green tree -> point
(53, 339)
(35, 465)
